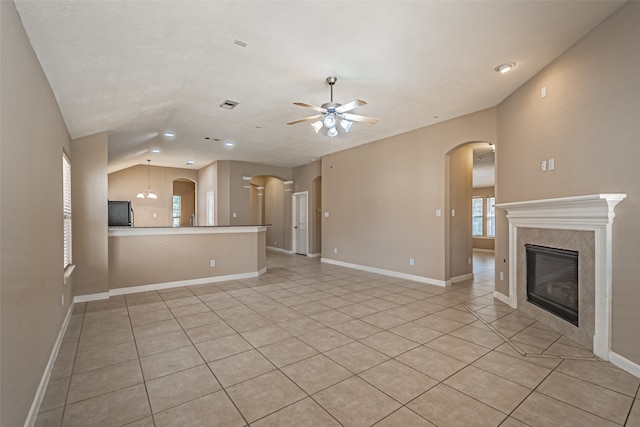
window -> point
(177, 201)
(476, 215)
(66, 209)
(491, 216)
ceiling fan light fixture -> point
(329, 121)
(346, 125)
(332, 132)
(317, 125)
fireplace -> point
(584, 223)
(552, 280)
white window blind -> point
(66, 209)
(491, 216)
(476, 216)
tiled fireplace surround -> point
(583, 224)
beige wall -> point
(382, 197)
(588, 123)
(308, 178)
(144, 260)
(90, 213)
(125, 185)
(32, 138)
(484, 243)
(207, 181)
(274, 204)
(459, 171)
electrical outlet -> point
(212, 263)
(469, 260)
(62, 302)
(501, 275)
(543, 166)
(335, 250)
(412, 261)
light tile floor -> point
(311, 344)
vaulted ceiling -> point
(137, 69)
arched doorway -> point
(270, 204)
(469, 182)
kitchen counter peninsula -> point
(152, 258)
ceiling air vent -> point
(229, 105)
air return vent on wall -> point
(229, 105)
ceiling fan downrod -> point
(332, 80)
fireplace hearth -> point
(552, 280)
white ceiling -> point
(138, 68)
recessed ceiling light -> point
(505, 68)
(190, 162)
(169, 134)
(229, 144)
(155, 151)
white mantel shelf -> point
(593, 212)
(570, 213)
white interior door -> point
(210, 208)
(301, 229)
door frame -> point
(294, 221)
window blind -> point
(66, 209)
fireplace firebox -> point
(552, 280)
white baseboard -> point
(166, 285)
(385, 272)
(284, 251)
(44, 381)
(624, 363)
(488, 251)
(314, 255)
(91, 297)
(505, 299)
(462, 278)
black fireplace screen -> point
(552, 280)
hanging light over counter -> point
(147, 193)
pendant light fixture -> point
(147, 193)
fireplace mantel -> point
(593, 212)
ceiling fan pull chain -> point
(331, 156)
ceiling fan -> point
(333, 114)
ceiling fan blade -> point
(357, 118)
(350, 106)
(313, 107)
(305, 119)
